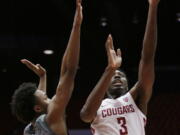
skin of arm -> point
(70, 61)
(89, 110)
(39, 71)
(142, 90)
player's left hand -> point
(78, 15)
(114, 57)
(37, 69)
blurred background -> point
(29, 27)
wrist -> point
(155, 5)
(77, 25)
(42, 76)
(110, 69)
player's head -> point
(28, 102)
(118, 85)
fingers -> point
(109, 43)
(29, 64)
(114, 57)
(79, 7)
(78, 3)
(24, 61)
(119, 52)
(39, 66)
(78, 15)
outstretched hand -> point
(114, 57)
(37, 69)
(78, 15)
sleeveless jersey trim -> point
(132, 100)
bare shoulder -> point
(139, 100)
(56, 119)
(134, 91)
(54, 112)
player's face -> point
(42, 100)
(118, 84)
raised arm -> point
(69, 67)
(71, 56)
(39, 71)
(89, 110)
(143, 89)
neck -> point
(33, 121)
(113, 96)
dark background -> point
(27, 27)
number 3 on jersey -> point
(123, 128)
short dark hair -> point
(23, 101)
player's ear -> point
(37, 108)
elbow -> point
(85, 116)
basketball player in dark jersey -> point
(31, 104)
